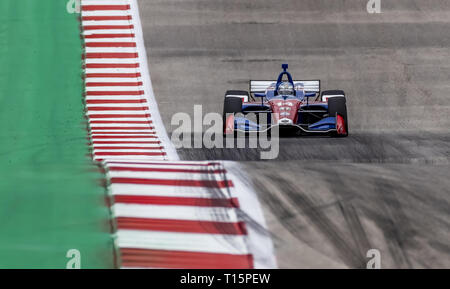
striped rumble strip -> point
(177, 215)
(167, 214)
(116, 103)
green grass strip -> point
(50, 197)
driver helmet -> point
(285, 88)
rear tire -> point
(338, 106)
(237, 93)
(331, 92)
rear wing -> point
(260, 86)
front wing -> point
(242, 124)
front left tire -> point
(337, 107)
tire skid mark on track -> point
(398, 106)
(301, 204)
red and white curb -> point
(168, 213)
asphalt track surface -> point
(327, 201)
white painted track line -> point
(176, 212)
(182, 242)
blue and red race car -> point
(289, 104)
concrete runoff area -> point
(327, 201)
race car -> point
(292, 105)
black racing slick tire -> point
(237, 93)
(337, 107)
(332, 92)
(232, 105)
